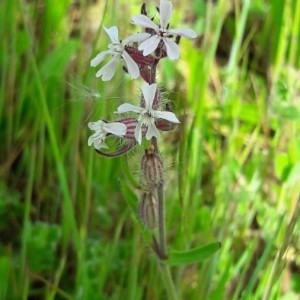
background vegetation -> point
(233, 165)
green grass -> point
(68, 227)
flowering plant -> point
(157, 42)
(140, 54)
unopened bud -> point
(148, 210)
(152, 169)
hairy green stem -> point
(165, 269)
(161, 222)
(161, 247)
(162, 244)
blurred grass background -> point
(232, 166)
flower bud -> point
(152, 169)
(148, 210)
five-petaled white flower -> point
(102, 129)
(162, 32)
(147, 114)
(118, 52)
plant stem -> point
(161, 222)
(168, 282)
(162, 243)
(161, 247)
(165, 269)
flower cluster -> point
(139, 55)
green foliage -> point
(42, 243)
(196, 255)
(68, 226)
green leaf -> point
(290, 112)
(195, 255)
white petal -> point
(149, 94)
(98, 140)
(108, 71)
(95, 125)
(116, 128)
(100, 144)
(131, 65)
(185, 32)
(138, 132)
(99, 134)
(90, 141)
(166, 115)
(144, 21)
(152, 131)
(113, 34)
(127, 107)
(172, 48)
(136, 38)
(165, 11)
(98, 59)
(149, 45)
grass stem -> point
(161, 222)
(168, 282)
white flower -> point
(162, 32)
(118, 52)
(147, 114)
(102, 129)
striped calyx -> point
(148, 210)
(152, 169)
